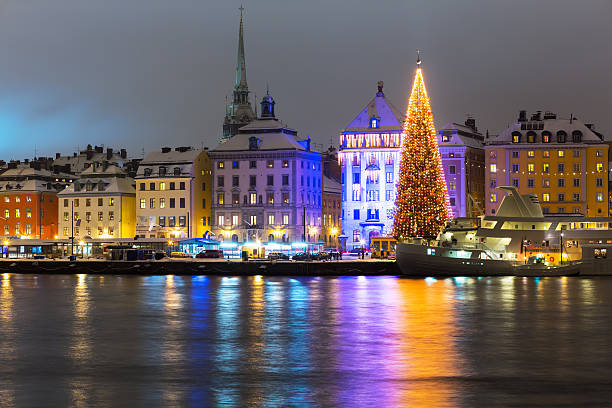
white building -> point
(267, 184)
(369, 154)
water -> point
(113, 341)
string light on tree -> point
(422, 205)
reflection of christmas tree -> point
(422, 206)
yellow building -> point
(173, 194)
(101, 204)
(564, 162)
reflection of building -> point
(370, 155)
(461, 148)
(563, 161)
(331, 198)
(102, 202)
(173, 193)
(267, 183)
(28, 200)
(239, 112)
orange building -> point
(28, 201)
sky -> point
(142, 74)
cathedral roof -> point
(389, 118)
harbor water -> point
(113, 341)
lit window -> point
(162, 186)
(162, 203)
(143, 203)
(17, 215)
(545, 168)
(599, 167)
(600, 197)
(285, 219)
(152, 203)
(546, 153)
(451, 186)
(253, 220)
(493, 168)
(561, 153)
(28, 213)
(235, 220)
(530, 167)
(492, 154)
(546, 197)
(220, 220)
(253, 198)
(493, 197)
(270, 219)
(111, 202)
(530, 153)
(373, 123)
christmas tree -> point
(421, 206)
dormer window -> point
(373, 123)
(516, 137)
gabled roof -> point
(381, 108)
(271, 132)
(459, 135)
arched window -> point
(147, 172)
(577, 136)
(546, 136)
(531, 137)
(516, 137)
(162, 171)
(234, 238)
(561, 136)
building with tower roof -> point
(369, 155)
(239, 112)
(266, 185)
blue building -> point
(369, 155)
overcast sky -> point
(142, 74)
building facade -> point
(267, 184)
(369, 156)
(90, 156)
(239, 112)
(331, 201)
(563, 161)
(100, 204)
(462, 151)
(28, 200)
(173, 194)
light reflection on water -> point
(270, 341)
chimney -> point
(537, 116)
(74, 154)
(471, 123)
(549, 115)
(57, 155)
(99, 149)
(123, 153)
(522, 116)
(166, 149)
(89, 148)
(109, 153)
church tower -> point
(239, 112)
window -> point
(270, 198)
(270, 164)
(65, 201)
(172, 185)
(253, 164)
(253, 220)
(143, 203)
(545, 197)
(546, 154)
(576, 182)
(66, 216)
(356, 178)
(561, 210)
(530, 153)
(599, 197)
(285, 219)
(88, 216)
(75, 201)
(453, 170)
(270, 180)
(253, 198)
(285, 163)
(172, 203)
(17, 229)
(172, 221)
(28, 213)
(235, 219)
(576, 167)
(285, 179)
(152, 186)
(111, 202)
(389, 177)
(561, 136)
(516, 137)
(252, 181)
(493, 183)
(356, 193)
(162, 221)
(220, 181)
(493, 154)
(515, 182)
(271, 219)
(220, 165)
(598, 153)
(220, 199)
(599, 182)
(576, 196)
(493, 197)
(162, 171)
(389, 195)
(531, 137)
(147, 172)
(7, 230)
(356, 214)
(372, 195)
(561, 182)
(235, 181)
(151, 203)
(451, 186)
(17, 213)
(373, 123)
(182, 221)
(546, 182)
(235, 198)
(162, 186)
(560, 167)
(515, 168)
(545, 168)
(111, 215)
(100, 216)
(182, 185)
(356, 235)
(515, 154)
(162, 203)
(530, 167)
(203, 186)
(546, 135)
(285, 198)
(235, 164)
(452, 201)
(561, 197)
(221, 220)
(576, 153)
(577, 136)
(561, 153)
(599, 167)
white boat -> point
(518, 240)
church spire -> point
(240, 112)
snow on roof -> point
(173, 156)
(382, 109)
(457, 135)
(112, 185)
(98, 170)
(29, 186)
(271, 133)
(551, 125)
(331, 186)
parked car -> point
(302, 256)
(177, 254)
(275, 256)
(321, 256)
(210, 253)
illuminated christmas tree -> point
(422, 206)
